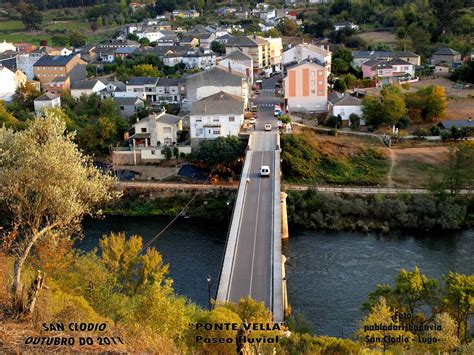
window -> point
(199, 132)
(320, 72)
(168, 140)
(143, 129)
(123, 108)
(320, 82)
(198, 120)
(313, 82)
(215, 119)
(313, 73)
(313, 92)
(153, 152)
(231, 119)
(216, 131)
(166, 129)
(321, 92)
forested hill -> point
(55, 4)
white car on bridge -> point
(265, 171)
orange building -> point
(306, 87)
(49, 68)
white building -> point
(345, 24)
(5, 46)
(9, 82)
(212, 81)
(345, 105)
(87, 87)
(47, 100)
(238, 62)
(306, 50)
(219, 115)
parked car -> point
(265, 171)
(268, 127)
(252, 120)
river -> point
(329, 275)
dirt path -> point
(392, 157)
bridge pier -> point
(286, 305)
(284, 216)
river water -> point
(329, 275)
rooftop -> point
(142, 80)
(47, 96)
(446, 51)
(220, 103)
(53, 61)
(238, 55)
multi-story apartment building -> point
(306, 50)
(266, 53)
(305, 87)
(48, 68)
(143, 87)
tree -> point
(341, 61)
(26, 94)
(54, 186)
(428, 102)
(30, 16)
(464, 73)
(77, 39)
(273, 32)
(145, 70)
(354, 120)
(411, 293)
(448, 339)
(218, 47)
(334, 121)
(381, 314)
(372, 110)
(287, 27)
(223, 151)
(458, 300)
(340, 85)
(6, 118)
(459, 171)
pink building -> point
(306, 87)
(387, 72)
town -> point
(166, 164)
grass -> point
(342, 160)
(11, 26)
(68, 25)
(24, 37)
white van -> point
(265, 171)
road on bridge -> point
(252, 274)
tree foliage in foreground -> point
(47, 186)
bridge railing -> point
(233, 229)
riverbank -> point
(313, 210)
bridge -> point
(252, 265)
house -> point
(5, 46)
(224, 39)
(212, 81)
(360, 57)
(345, 24)
(156, 130)
(190, 41)
(58, 85)
(10, 81)
(47, 100)
(171, 90)
(105, 54)
(86, 53)
(218, 115)
(461, 123)
(194, 58)
(185, 13)
(238, 62)
(445, 55)
(8, 60)
(344, 105)
(128, 106)
(116, 89)
(265, 52)
(24, 47)
(124, 52)
(169, 40)
(87, 87)
(143, 87)
(305, 87)
(388, 72)
(47, 68)
(303, 51)
(135, 6)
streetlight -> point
(228, 217)
(209, 289)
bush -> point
(354, 120)
(421, 132)
(435, 131)
(334, 121)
